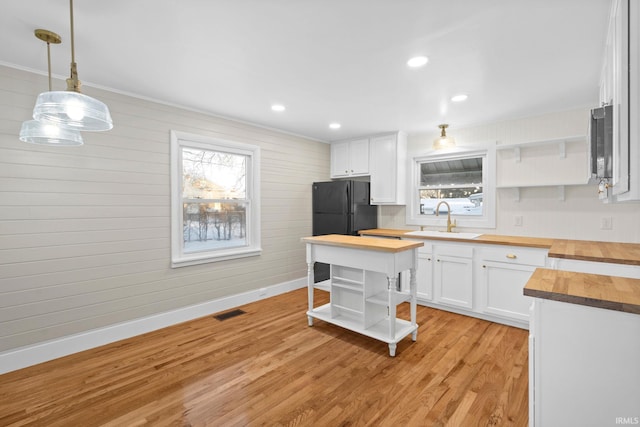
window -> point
(463, 180)
(215, 199)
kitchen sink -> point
(448, 235)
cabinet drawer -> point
(461, 251)
(515, 255)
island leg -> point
(310, 290)
(392, 349)
(413, 301)
(392, 309)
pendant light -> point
(443, 141)
(37, 132)
(72, 109)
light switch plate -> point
(606, 223)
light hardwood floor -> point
(267, 367)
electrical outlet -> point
(517, 221)
(606, 223)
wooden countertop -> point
(593, 290)
(611, 252)
(373, 244)
(492, 239)
(618, 253)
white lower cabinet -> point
(606, 268)
(424, 275)
(453, 275)
(479, 280)
(505, 271)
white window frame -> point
(178, 257)
(488, 217)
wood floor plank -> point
(267, 367)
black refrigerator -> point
(341, 207)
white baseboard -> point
(32, 355)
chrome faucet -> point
(450, 224)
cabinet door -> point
(359, 157)
(383, 169)
(619, 32)
(424, 276)
(453, 281)
(339, 159)
(502, 289)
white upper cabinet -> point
(350, 158)
(388, 163)
(620, 87)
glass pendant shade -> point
(36, 132)
(443, 141)
(72, 110)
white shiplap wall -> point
(84, 231)
(543, 212)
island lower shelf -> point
(378, 331)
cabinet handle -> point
(428, 259)
(351, 170)
(438, 260)
(346, 171)
(484, 266)
(511, 256)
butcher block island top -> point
(385, 245)
(594, 290)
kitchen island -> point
(364, 285)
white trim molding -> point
(23, 357)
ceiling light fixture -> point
(443, 141)
(335, 125)
(36, 132)
(278, 107)
(70, 108)
(459, 98)
(417, 61)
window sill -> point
(195, 259)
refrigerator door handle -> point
(346, 200)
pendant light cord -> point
(73, 84)
(49, 63)
(73, 49)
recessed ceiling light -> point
(335, 125)
(417, 61)
(277, 107)
(459, 98)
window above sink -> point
(465, 179)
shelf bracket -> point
(516, 194)
(516, 154)
(562, 146)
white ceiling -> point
(326, 60)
